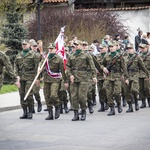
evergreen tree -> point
(13, 30)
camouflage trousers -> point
(101, 91)
(24, 87)
(78, 91)
(144, 88)
(51, 94)
(36, 93)
(113, 89)
(91, 91)
(132, 89)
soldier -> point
(134, 63)
(26, 68)
(36, 88)
(5, 62)
(101, 79)
(144, 86)
(77, 66)
(53, 73)
(114, 64)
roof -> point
(55, 1)
(114, 9)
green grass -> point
(8, 88)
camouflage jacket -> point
(100, 74)
(56, 65)
(79, 66)
(146, 61)
(134, 67)
(117, 69)
(5, 62)
(26, 66)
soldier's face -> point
(144, 50)
(52, 50)
(112, 48)
(130, 50)
(25, 46)
(34, 48)
(78, 46)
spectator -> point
(138, 40)
(144, 39)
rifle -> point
(131, 61)
(35, 78)
(114, 60)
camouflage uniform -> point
(133, 71)
(52, 85)
(26, 68)
(4, 61)
(112, 83)
(144, 85)
(77, 66)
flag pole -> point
(35, 78)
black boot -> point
(76, 116)
(24, 116)
(94, 101)
(143, 103)
(120, 108)
(106, 106)
(83, 116)
(66, 108)
(112, 111)
(57, 112)
(136, 105)
(90, 107)
(39, 108)
(61, 109)
(130, 108)
(148, 100)
(46, 109)
(29, 115)
(102, 107)
(50, 115)
(124, 101)
(33, 110)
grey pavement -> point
(99, 131)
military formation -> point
(120, 73)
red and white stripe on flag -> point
(60, 50)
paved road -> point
(98, 132)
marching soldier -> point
(26, 68)
(36, 88)
(101, 79)
(144, 90)
(134, 63)
(114, 64)
(77, 66)
(52, 73)
(5, 62)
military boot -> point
(39, 108)
(94, 101)
(119, 108)
(83, 116)
(33, 110)
(46, 109)
(76, 116)
(90, 107)
(106, 106)
(66, 108)
(143, 103)
(61, 109)
(24, 116)
(50, 115)
(102, 107)
(112, 111)
(29, 115)
(148, 100)
(57, 112)
(130, 108)
(124, 101)
(136, 105)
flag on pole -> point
(60, 50)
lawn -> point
(7, 88)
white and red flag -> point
(60, 48)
